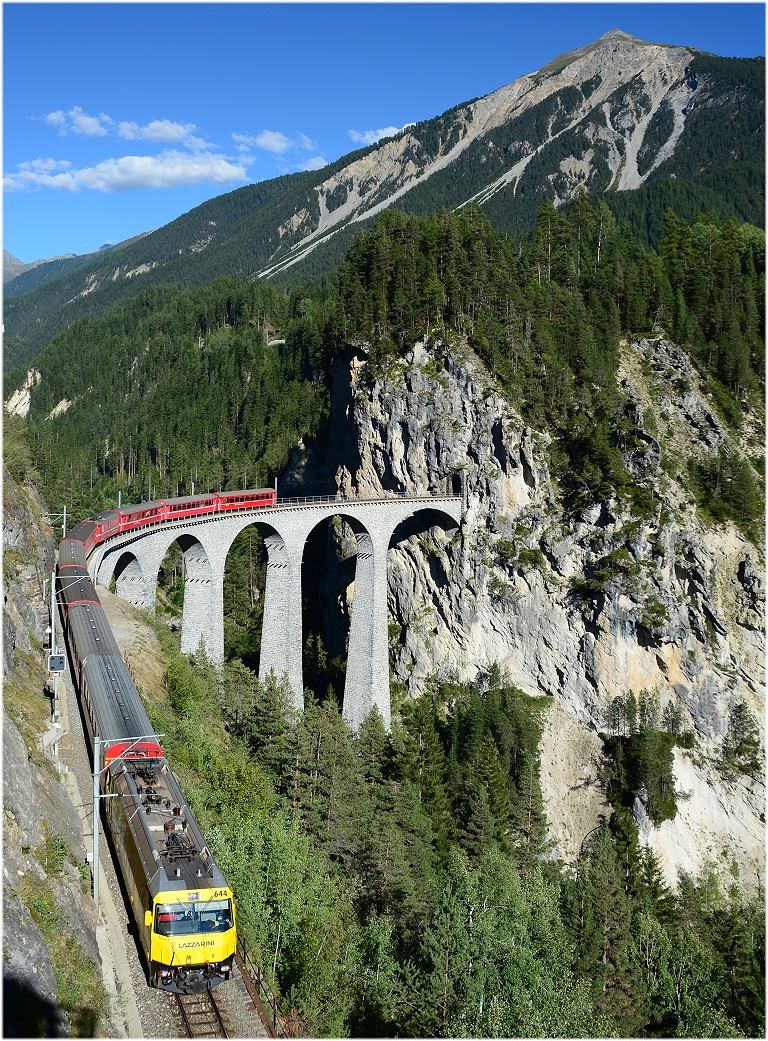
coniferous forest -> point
(215, 385)
(401, 884)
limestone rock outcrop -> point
(27, 561)
(689, 626)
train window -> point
(200, 917)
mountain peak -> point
(619, 34)
(612, 36)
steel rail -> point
(206, 1020)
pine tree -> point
(741, 749)
(650, 889)
(606, 935)
(528, 818)
(420, 759)
(627, 850)
(491, 774)
(439, 981)
(480, 830)
(373, 747)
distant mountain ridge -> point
(13, 267)
(646, 125)
(19, 278)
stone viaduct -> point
(134, 560)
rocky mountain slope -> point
(684, 620)
(645, 124)
(51, 981)
(605, 97)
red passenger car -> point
(190, 506)
(95, 530)
(140, 516)
(247, 500)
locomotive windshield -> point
(184, 919)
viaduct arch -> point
(135, 558)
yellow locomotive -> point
(184, 911)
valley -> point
(559, 827)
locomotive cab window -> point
(184, 919)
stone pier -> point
(134, 560)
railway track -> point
(201, 1015)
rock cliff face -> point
(35, 804)
(27, 560)
(688, 623)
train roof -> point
(72, 551)
(81, 528)
(89, 632)
(191, 498)
(249, 491)
(140, 506)
(75, 583)
(172, 847)
(116, 708)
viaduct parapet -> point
(134, 560)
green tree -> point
(605, 935)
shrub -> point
(618, 567)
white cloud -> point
(37, 178)
(273, 141)
(197, 144)
(159, 130)
(317, 163)
(90, 126)
(79, 122)
(243, 141)
(370, 137)
(46, 164)
(129, 131)
(170, 169)
(277, 142)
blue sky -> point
(117, 118)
